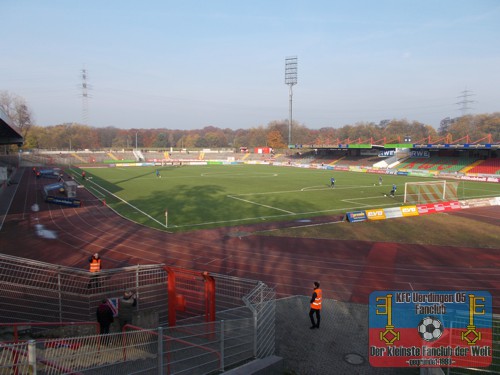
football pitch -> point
(200, 197)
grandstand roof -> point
(9, 134)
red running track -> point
(348, 270)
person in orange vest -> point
(316, 300)
(94, 268)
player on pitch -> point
(393, 191)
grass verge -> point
(436, 229)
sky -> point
(188, 64)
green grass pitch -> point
(201, 197)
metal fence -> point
(191, 349)
(494, 367)
(39, 292)
(42, 292)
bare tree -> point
(18, 111)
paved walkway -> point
(7, 194)
(339, 347)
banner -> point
(386, 153)
(478, 202)
(481, 178)
(430, 329)
(113, 304)
(377, 214)
(431, 208)
(420, 154)
(356, 216)
(409, 211)
(393, 212)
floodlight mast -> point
(290, 80)
(85, 97)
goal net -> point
(431, 191)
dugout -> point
(49, 173)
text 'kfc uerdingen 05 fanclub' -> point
(409, 328)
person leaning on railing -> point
(126, 306)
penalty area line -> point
(260, 204)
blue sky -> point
(187, 64)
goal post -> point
(430, 191)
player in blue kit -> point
(332, 182)
(393, 191)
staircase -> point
(138, 155)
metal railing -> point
(189, 349)
(42, 292)
(34, 291)
(494, 367)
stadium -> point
(222, 251)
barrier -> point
(37, 291)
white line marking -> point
(259, 204)
(315, 188)
(245, 175)
(124, 201)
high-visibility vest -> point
(95, 265)
(316, 304)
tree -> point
(257, 137)
(35, 137)
(362, 131)
(490, 125)
(275, 134)
(275, 140)
(461, 127)
(191, 139)
(161, 141)
(107, 135)
(326, 136)
(444, 126)
(18, 111)
(121, 140)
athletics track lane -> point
(348, 270)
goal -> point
(430, 191)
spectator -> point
(104, 316)
(126, 308)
